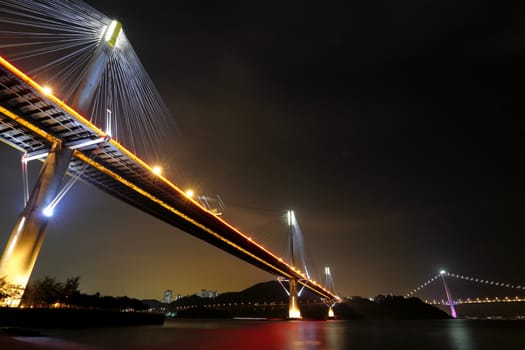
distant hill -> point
(268, 299)
(267, 292)
(387, 307)
(154, 304)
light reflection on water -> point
(459, 336)
(295, 335)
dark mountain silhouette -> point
(387, 307)
(267, 292)
(269, 299)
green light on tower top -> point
(112, 33)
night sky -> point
(395, 130)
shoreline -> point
(75, 318)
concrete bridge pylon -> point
(23, 246)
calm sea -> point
(296, 335)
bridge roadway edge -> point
(24, 103)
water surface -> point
(296, 335)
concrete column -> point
(82, 97)
(331, 313)
(293, 307)
(21, 251)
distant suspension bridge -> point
(513, 293)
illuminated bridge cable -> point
(467, 278)
(488, 282)
(422, 285)
(54, 41)
(69, 184)
(72, 180)
(25, 179)
(448, 301)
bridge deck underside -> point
(112, 169)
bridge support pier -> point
(21, 251)
(294, 312)
(331, 313)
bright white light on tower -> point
(48, 211)
(291, 218)
(108, 122)
(156, 170)
(293, 310)
(442, 272)
(47, 90)
(327, 270)
(110, 29)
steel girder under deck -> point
(31, 122)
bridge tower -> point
(293, 306)
(448, 294)
(88, 84)
(23, 246)
(329, 284)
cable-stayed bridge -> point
(453, 290)
(41, 126)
